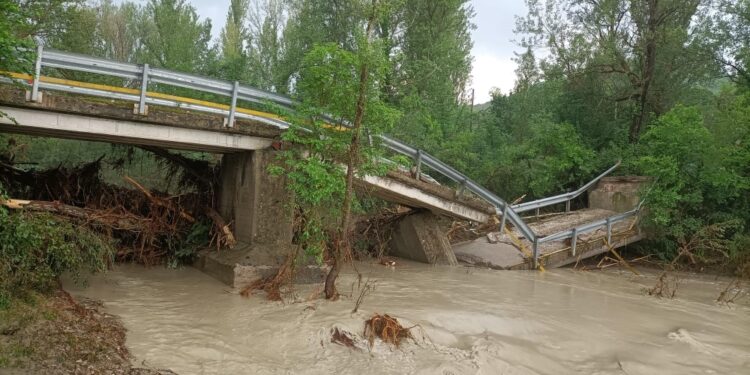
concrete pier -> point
(421, 238)
(261, 212)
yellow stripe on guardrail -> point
(150, 94)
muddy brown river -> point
(470, 321)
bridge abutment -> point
(260, 209)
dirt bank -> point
(58, 335)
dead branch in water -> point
(364, 291)
(728, 296)
(666, 286)
(709, 238)
(161, 202)
(620, 258)
(387, 329)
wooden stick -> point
(621, 259)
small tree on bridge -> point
(341, 104)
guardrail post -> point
(142, 109)
(567, 205)
(537, 213)
(502, 221)
(233, 108)
(418, 166)
(609, 231)
(574, 241)
(37, 74)
(462, 188)
(535, 253)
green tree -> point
(45, 18)
(234, 37)
(727, 37)
(643, 50)
(697, 181)
(104, 29)
(175, 38)
(312, 22)
(341, 86)
(433, 69)
(15, 51)
(267, 23)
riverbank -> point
(55, 334)
(467, 321)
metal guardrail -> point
(144, 74)
(566, 198)
(588, 227)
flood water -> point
(469, 321)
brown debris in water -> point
(666, 286)
(731, 293)
(343, 338)
(272, 284)
(386, 328)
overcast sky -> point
(493, 45)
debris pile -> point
(149, 227)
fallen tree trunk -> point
(103, 218)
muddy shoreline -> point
(57, 334)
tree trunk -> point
(649, 67)
(100, 218)
(341, 242)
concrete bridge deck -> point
(505, 251)
(107, 120)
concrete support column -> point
(421, 238)
(261, 210)
(256, 202)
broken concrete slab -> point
(421, 237)
(482, 253)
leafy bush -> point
(35, 249)
(697, 181)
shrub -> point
(35, 249)
(697, 182)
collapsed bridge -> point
(256, 202)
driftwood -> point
(227, 237)
(161, 202)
